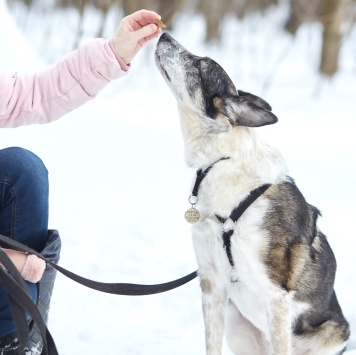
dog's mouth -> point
(163, 70)
(166, 74)
(160, 66)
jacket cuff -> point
(33, 268)
(123, 65)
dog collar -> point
(192, 215)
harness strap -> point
(227, 245)
(236, 214)
(201, 176)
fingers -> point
(144, 17)
(134, 31)
(149, 31)
(138, 20)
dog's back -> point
(300, 260)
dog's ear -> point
(247, 110)
(255, 99)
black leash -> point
(21, 303)
(124, 289)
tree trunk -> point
(213, 12)
(168, 9)
(333, 14)
(301, 11)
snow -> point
(120, 187)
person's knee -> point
(19, 163)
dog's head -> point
(207, 98)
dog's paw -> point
(233, 275)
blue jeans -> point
(23, 211)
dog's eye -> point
(187, 56)
(196, 62)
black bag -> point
(33, 338)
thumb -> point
(145, 31)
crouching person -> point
(24, 218)
(43, 97)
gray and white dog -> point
(268, 278)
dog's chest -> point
(245, 283)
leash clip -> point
(193, 200)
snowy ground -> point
(119, 185)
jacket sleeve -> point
(49, 94)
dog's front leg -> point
(280, 324)
(214, 306)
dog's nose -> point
(165, 37)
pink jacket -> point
(49, 94)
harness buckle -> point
(229, 224)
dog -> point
(267, 278)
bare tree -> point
(302, 11)
(104, 6)
(333, 15)
(168, 9)
(214, 12)
(242, 8)
(130, 6)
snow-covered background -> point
(119, 184)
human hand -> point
(134, 31)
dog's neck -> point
(248, 154)
(203, 148)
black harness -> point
(236, 212)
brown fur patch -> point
(291, 226)
(205, 285)
(286, 264)
(219, 104)
(278, 266)
(298, 257)
(329, 334)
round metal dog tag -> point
(192, 215)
